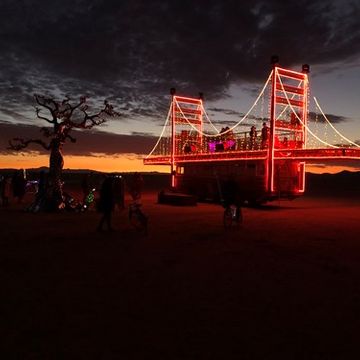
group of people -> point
(227, 141)
(111, 194)
(265, 135)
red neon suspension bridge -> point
(189, 136)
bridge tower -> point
(186, 127)
(288, 122)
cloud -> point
(88, 141)
(133, 51)
(334, 119)
(225, 111)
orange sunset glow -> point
(120, 163)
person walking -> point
(85, 187)
(136, 186)
(119, 192)
(40, 196)
(106, 203)
(232, 196)
(6, 190)
(18, 183)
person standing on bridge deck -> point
(253, 136)
(265, 132)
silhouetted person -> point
(85, 187)
(136, 186)
(5, 190)
(187, 148)
(253, 136)
(119, 192)
(2, 181)
(265, 132)
(106, 203)
(231, 194)
(40, 197)
(18, 185)
(285, 142)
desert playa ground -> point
(286, 285)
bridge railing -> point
(195, 144)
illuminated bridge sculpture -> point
(266, 167)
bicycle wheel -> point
(139, 221)
(227, 218)
(239, 217)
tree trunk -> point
(54, 187)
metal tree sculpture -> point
(63, 118)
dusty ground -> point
(285, 286)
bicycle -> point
(232, 216)
(137, 218)
(89, 199)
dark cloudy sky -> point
(132, 52)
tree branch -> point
(46, 103)
(72, 139)
(89, 121)
(62, 123)
(42, 117)
(69, 110)
(46, 132)
(22, 144)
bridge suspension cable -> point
(325, 117)
(298, 117)
(238, 123)
(210, 122)
(194, 127)
(162, 133)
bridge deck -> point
(281, 154)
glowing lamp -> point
(274, 60)
(306, 68)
